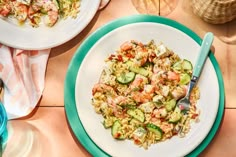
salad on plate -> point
(138, 90)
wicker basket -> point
(215, 11)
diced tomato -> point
(174, 132)
(111, 56)
(117, 135)
(151, 57)
(136, 141)
(162, 119)
(120, 58)
(4, 11)
(31, 11)
(129, 55)
(194, 116)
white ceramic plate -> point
(91, 68)
(28, 38)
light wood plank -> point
(224, 141)
(47, 133)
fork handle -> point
(202, 56)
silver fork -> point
(184, 103)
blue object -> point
(3, 127)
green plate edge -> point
(71, 75)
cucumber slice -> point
(138, 70)
(126, 78)
(175, 116)
(183, 65)
(177, 66)
(107, 123)
(155, 129)
(184, 79)
(116, 130)
(187, 65)
(137, 114)
(135, 122)
(129, 106)
(170, 105)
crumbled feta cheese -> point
(26, 2)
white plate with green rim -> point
(85, 69)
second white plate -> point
(28, 38)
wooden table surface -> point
(46, 132)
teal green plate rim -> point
(71, 75)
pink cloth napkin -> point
(23, 75)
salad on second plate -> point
(138, 90)
(35, 12)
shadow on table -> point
(230, 37)
(225, 32)
(77, 141)
(23, 140)
(218, 133)
(77, 39)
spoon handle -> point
(204, 50)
